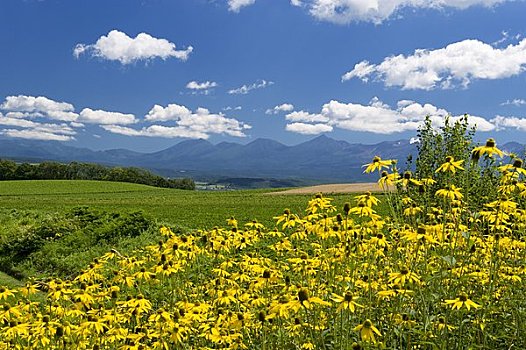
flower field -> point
(444, 270)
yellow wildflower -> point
(450, 165)
(489, 149)
(367, 331)
(460, 301)
(377, 164)
(451, 192)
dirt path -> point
(333, 188)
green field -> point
(186, 209)
(38, 218)
(6, 280)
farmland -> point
(187, 209)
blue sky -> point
(147, 74)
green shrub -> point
(479, 180)
(62, 244)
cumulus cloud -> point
(24, 111)
(28, 117)
(456, 64)
(198, 124)
(375, 117)
(236, 5)
(308, 129)
(517, 102)
(204, 88)
(76, 124)
(62, 128)
(305, 117)
(156, 131)
(22, 106)
(35, 130)
(194, 85)
(245, 89)
(10, 121)
(377, 11)
(285, 107)
(117, 46)
(502, 122)
(90, 116)
(170, 112)
(35, 135)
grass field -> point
(187, 209)
(28, 207)
(6, 280)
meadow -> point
(439, 263)
(186, 209)
(56, 227)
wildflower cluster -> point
(428, 275)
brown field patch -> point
(333, 188)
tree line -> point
(10, 170)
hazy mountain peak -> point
(263, 142)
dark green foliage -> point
(10, 170)
(453, 139)
(62, 244)
(480, 178)
(7, 169)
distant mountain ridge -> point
(321, 159)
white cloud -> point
(117, 46)
(62, 128)
(228, 108)
(10, 121)
(305, 117)
(76, 125)
(236, 5)
(245, 89)
(35, 130)
(204, 88)
(194, 85)
(22, 111)
(502, 122)
(156, 131)
(198, 124)
(377, 11)
(22, 106)
(35, 135)
(308, 129)
(285, 107)
(457, 63)
(90, 116)
(170, 112)
(517, 102)
(376, 117)
(361, 71)
(122, 130)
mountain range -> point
(321, 159)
